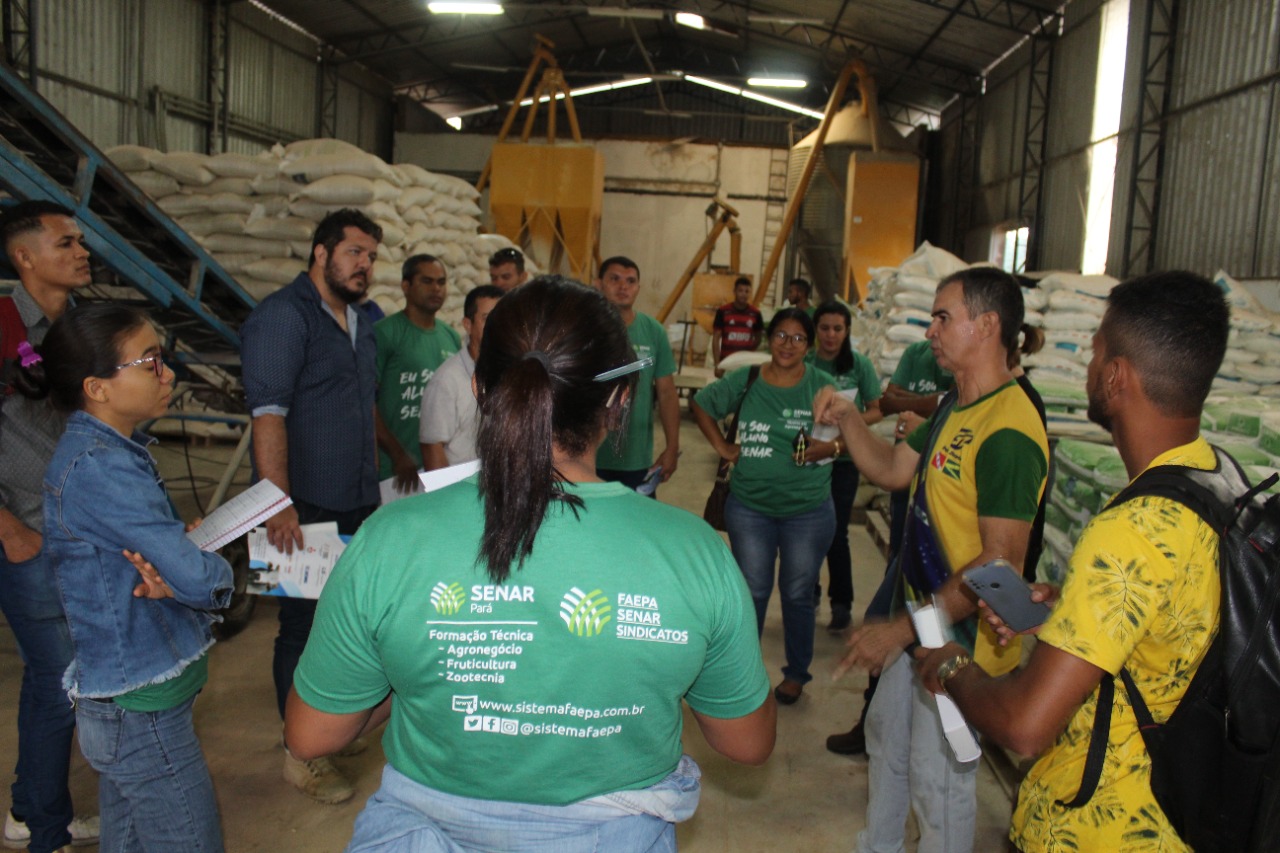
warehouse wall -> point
(137, 71)
(655, 199)
(1220, 185)
(1220, 198)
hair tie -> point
(29, 355)
(538, 356)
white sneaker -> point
(84, 830)
(319, 779)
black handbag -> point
(713, 512)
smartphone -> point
(1008, 595)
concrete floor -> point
(803, 799)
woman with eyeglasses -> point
(855, 376)
(779, 507)
(139, 596)
(531, 631)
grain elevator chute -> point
(860, 209)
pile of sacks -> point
(1087, 474)
(255, 214)
(896, 311)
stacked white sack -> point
(255, 214)
(899, 301)
(1252, 363)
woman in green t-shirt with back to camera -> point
(779, 506)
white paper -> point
(301, 574)
(387, 491)
(238, 515)
(826, 432)
(441, 477)
(929, 631)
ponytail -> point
(25, 374)
(83, 342)
(544, 343)
(1032, 343)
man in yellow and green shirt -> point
(977, 474)
(1141, 592)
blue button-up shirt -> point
(299, 363)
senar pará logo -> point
(448, 599)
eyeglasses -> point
(156, 361)
(797, 339)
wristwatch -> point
(951, 666)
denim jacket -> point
(103, 494)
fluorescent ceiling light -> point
(777, 82)
(460, 7)
(593, 90)
(784, 20)
(625, 12)
(575, 93)
(689, 19)
(754, 96)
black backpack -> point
(1215, 764)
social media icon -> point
(466, 704)
(472, 724)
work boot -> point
(319, 779)
(841, 618)
(852, 742)
(356, 747)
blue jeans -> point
(297, 614)
(46, 720)
(404, 816)
(797, 543)
(154, 792)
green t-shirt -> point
(561, 684)
(766, 478)
(168, 694)
(919, 373)
(635, 448)
(407, 357)
(862, 376)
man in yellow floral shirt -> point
(1142, 591)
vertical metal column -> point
(1155, 88)
(1039, 79)
(20, 37)
(966, 166)
(327, 96)
(219, 75)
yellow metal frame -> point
(726, 218)
(552, 83)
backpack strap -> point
(1195, 489)
(1097, 744)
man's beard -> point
(338, 287)
(1097, 411)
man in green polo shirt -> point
(627, 457)
(411, 345)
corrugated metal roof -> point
(922, 52)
